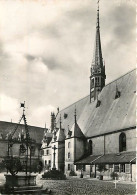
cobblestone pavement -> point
(85, 186)
(77, 186)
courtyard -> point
(80, 186)
(76, 186)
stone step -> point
(26, 190)
(36, 191)
(29, 187)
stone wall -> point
(112, 142)
(79, 148)
(69, 149)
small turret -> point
(53, 121)
(60, 133)
(69, 134)
(76, 131)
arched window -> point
(90, 147)
(122, 142)
(68, 144)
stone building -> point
(36, 133)
(98, 130)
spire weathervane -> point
(22, 105)
(98, 14)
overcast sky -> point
(46, 50)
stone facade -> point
(100, 129)
(35, 132)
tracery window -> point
(90, 147)
(122, 142)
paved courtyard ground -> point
(84, 186)
(77, 186)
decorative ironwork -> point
(26, 149)
(12, 164)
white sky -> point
(46, 49)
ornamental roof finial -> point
(75, 115)
(60, 121)
(98, 14)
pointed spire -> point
(60, 136)
(97, 56)
(97, 78)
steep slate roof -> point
(36, 133)
(113, 114)
(88, 160)
(76, 131)
(124, 157)
(60, 135)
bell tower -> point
(97, 78)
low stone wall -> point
(20, 180)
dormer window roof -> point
(98, 103)
(118, 93)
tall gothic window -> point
(90, 147)
(122, 142)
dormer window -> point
(98, 103)
(118, 93)
(69, 133)
(65, 115)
